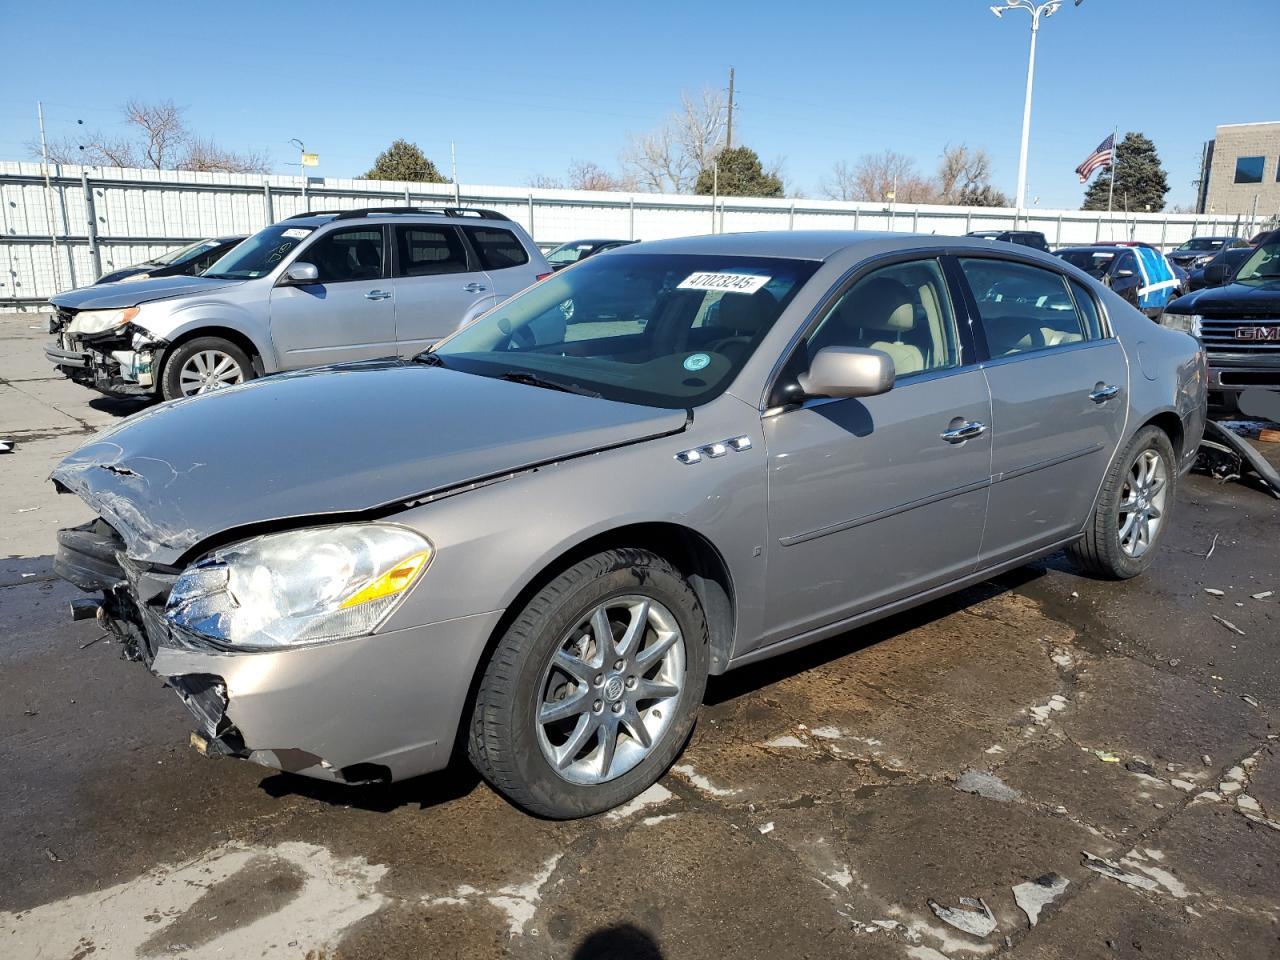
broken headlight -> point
(300, 587)
(98, 321)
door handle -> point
(378, 295)
(1103, 392)
(964, 431)
(475, 288)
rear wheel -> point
(594, 687)
(203, 365)
(1132, 510)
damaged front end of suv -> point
(105, 350)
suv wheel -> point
(594, 688)
(202, 365)
(1132, 510)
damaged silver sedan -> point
(533, 543)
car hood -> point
(111, 297)
(1234, 299)
(329, 442)
(113, 276)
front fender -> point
(184, 318)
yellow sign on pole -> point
(311, 159)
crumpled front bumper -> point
(380, 707)
(117, 365)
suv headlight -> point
(1186, 322)
(299, 587)
(99, 321)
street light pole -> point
(302, 170)
(1037, 10)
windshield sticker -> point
(294, 233)
(728, 282)
(696, 361)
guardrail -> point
(90, 219)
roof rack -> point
(477, 212)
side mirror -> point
(848, 372)
(1123, 274)
(1215, 275)
(299, 274)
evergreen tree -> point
(404, 161)
(741, 175)
(1140, 179)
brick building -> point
(1241, 167)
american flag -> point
(1101, 157)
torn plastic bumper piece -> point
(1222, 440)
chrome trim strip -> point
(1046, 464)
(883, 514)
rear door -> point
(503, 257)
(439, 284)
(1059, 395)
(348, 313)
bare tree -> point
(585, 175)
(874, 176)
(544, 181)
(964, 177)
(158, 139)
(669, 158)
(203, 154)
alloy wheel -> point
(1142, 503)
(208, 370)
(611, 689)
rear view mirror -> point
(300, 274)
(848, 372)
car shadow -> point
(622, 942)
(121, 406)
(432, 789)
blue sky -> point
(525, 88)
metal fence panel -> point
(97, 219)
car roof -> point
(595, 242)
(318, 218)
(819, 244)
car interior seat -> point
(872, 309)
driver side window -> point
(345, 255)
(902, 310)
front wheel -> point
(1132, 510)
(202, 365)
(594, 688)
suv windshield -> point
(260, 254)
(1201, 243)
(569, 252)
(1092, 262)
(663, 330)
(1262, 267)
(183, 254)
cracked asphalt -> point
(1039, 728)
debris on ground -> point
(1106, 756)
(987, 785)
(1263, 595)
(1140, 766)
(1034, 896)
(7, 445)
(1251, 701)
(1213, 592)
(972, 916)
(766, 827)
(1229, 625)
(1109, 869)
(51, 856)
(1226, 456)
(1212, 547)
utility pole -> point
(453, 165)
(728, 138)
(48, 194)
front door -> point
(878, 498)
(1059, 391)
(348, 313)
(438, 285)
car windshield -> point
(1263, 266)
(1201, 243)
(183, 254)
(569, 253)
(663, 330)
(1092, 262)
(260, 254)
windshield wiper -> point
(533, 380)
(429, 358)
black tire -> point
(503, 741)
(170, 377)
(1099, 551)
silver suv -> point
(314, 289)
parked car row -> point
(317, 288)
(535, 540)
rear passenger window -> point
(428, 251)
(1022, 308)
(1088, 308)
(498, 249)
